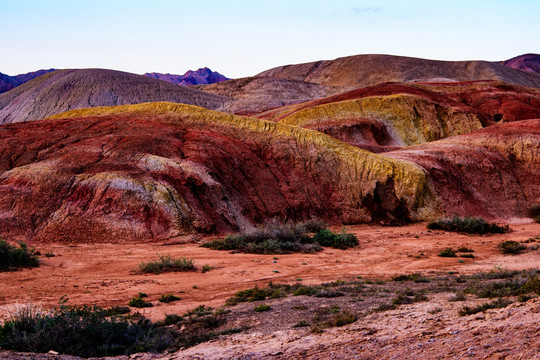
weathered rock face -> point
(409, 119)
(366, 70)
(64, 90)
(493, 172)
(158, 170)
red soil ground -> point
(103, 274)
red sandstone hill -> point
(64, 90)
(366, 70)
(493, 172)
(386, 116)
(158, 170)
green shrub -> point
(139, 302)
(307, 290)
(168, 298)
(416, 277)
(534, 212)
(499, 303)
(468, 225)
(272, 237)
(511, 247)
(467, 256)
(12, 258)
(301, 323)
(167, 264)
(447, 252)
(344, 318)
(311, 226)
(465, 249)
(81, 331)
(342, 240)
(281, 238)
(206, 267)
(262, 307)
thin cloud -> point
(371, 9)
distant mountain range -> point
(9, 82)
(367, 70)
(526, 62)
(201, 76)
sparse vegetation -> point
(262, 307)
(511, 247)
(468, 255)
(139, 302)
(82, 331)
(168, 298)
(534, 212)
(13, 258)
(468, 225)
(447, 252)
(275, 237)
(499, 303)
(167, 264)
(205, 268)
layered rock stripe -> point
(157, 170)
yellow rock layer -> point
(412, 119)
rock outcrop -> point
(157, 170)
(64, 90)
(493, 172)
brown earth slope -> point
(365, 70)
(64, 90)
(158, 170)
(253, 95)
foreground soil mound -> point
(64, 90)
(492, 172)
(158, 170)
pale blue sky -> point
(241, 38)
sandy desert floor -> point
(105, 275)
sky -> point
(242, 38)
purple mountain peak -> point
(198, 77)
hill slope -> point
(366, 70)
(159, 169)
(253, 95)
(64, 90)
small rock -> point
(52, 352)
